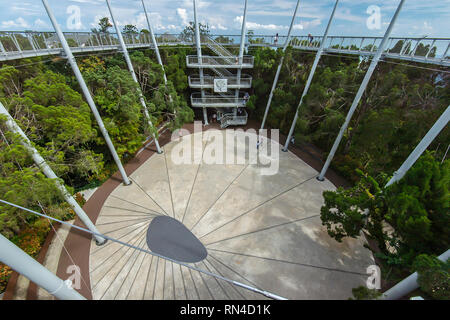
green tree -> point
(22, 183)
(103, 26)
(434, 276)
(188, 33)
(416, 207)
(130, 29)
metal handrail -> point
(246, 80)
(228, 119)
(218, 70)
(197, 99)
(20, 44)
(247, 61)
(215, 46)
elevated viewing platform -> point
(232, 82)
(230, 62)
(217, 101)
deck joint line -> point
(212, 205)
(138, 205)
(136, 256)
(263, 229)
(151, 198)
(206, 285)
(108, 223)
(168, 180)
(291, 262)
(109, 243)
(134, 280)
(220, 285)
(184, 284)
(104, 275)
(220, 273)
(195, 287)
(154, 282)
(146, 280)
(195, 178)
(259, 205)
(240, 275)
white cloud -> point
(275, 27)
(200, 4)
(26, 9)
(183, 15)
(258, 26)
(18, 23)
(307, 24)
(88, 1)
(38, 23)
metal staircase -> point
(222, 72)
(221, 95)
(216, 47)
(230, 119)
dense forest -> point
(401, 103)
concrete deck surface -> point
(261, 230)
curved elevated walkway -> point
(19, 45)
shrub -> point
(434, 276)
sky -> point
(418, 18)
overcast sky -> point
(418, 17)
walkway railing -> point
(229, 119)
(216, 47)
(232, 81)
(426, 50)
(19, 44)
(222, 62)
(222, 72)
(217, 101)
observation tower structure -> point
(220, 78)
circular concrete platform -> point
(259, 228)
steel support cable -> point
(250, 288)
(62, 242)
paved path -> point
(261, 230)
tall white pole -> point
(49, 173)
(199, 58)
(19, 261)
(409, 284)
(243, 29)
(277, 74)
(133, 75)
(360, 92)
(155, 44)
(241, 51)
(87, 94)
(310, 77)
(422, 146)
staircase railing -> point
(229, 119)
(245, 81)
(216, 47)
(220, 71)
(214, 100)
